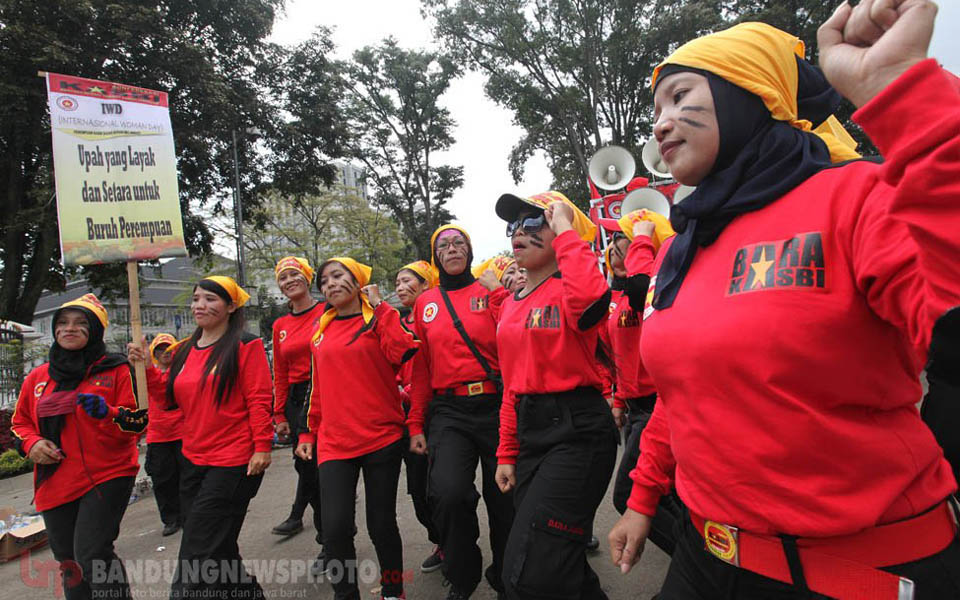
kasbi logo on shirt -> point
(544, 317)
(796, 263)
(478, 303)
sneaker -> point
(455, 594)
(170, 529)
(594, 544)
(291, 526)
(402, 596)
(432, 562)
(319, 566)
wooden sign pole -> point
(135, 329)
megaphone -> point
(682, 192)
(611, 167)
(647, 198)
(652, 159)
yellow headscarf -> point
(499, 264)
(236, 293)
(761, 59)
(361, 273)
(425, 270)
(91, 303)
(294, 263)
(161, 338)
(581, 223)
(436, 234)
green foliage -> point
(393, 109)
(11, 463)
(336, 222)
(221, 74)
(575, 73)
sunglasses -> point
(528, 224)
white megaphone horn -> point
(647, 198)
(652, 160)
(611, 167)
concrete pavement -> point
(282, 562)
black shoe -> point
(319, 566)
(594, 544)
(432, 562)
(291, 526)
(455, 594)
(170, 529)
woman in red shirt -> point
(558, 441)
(799, 296)
(355, 421)
(291, 384)
(455, 402)
(413, 280)
(220, 379)
(164, 461)
(84, 464)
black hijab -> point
(759, 160)
(68, 368)
(456, 282)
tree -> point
(336, 222)
(393, 108)
(575, 73)
(221, 74)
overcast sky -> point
(484, 131)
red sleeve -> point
(397, 342)
(914, 122)
(421, 388)
(257, 389)
(640, 257)
(280, 386)
(22, 423)
(509, 447)
(653, 475)
(122, 397)
(608, 377)
(157, 384)
(584, 288)
(313, 408)
(495, 301)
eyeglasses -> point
(529, 225)
(457, 243)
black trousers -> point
(462, 431)
(81, 535)
(568, 449)
(338, 488)
(164, 464)
(695, 574)
(308, 477)
(214, 501)
(941, 412)
(668, 512)
(417, 470)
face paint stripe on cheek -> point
(692, 123)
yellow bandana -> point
(433, 240)
(762, 60)
(425, 270)
(91, 303)
(236, 293)
(361, 273)
(161, 338)
(499, 264)
(294, 263)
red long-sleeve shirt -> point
(95, 450)
(548, 339)
(354, 402)
(226, 435)
(788, 364)
(405, 374)
(624, 327)
(445, 361)
(163, 425)
(291, 354)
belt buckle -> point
(722, 541)
(475, 389)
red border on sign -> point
(104, 90)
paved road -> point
(148, 554)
